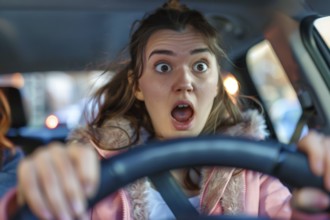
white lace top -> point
(158, 209)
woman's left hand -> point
(317, 148)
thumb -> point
(310, 200)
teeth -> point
(182, 106)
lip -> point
(187, 124)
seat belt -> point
(304, 118)
(308, 111)
(173, 195)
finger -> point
(326, 144)
(310, 200)
(312, 145)
(69, 179)
(87, 166)
(51, 186)
(27, 179)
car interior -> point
(53, 52)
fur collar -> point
(228, 183)
(253, 126)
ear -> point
(138, 94)
(137, 91)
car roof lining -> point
(40, 35)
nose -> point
(184, 81)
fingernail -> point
(78, 207)
(323, 201)
(89, 190)
(84, 216)
(318, 201)
(46, 215)
(65, 216)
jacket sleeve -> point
(274, 198)
(275, 202)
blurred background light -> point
(51, 122)
(231, 84)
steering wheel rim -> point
(269, 157)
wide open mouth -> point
(182, 112)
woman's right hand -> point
(56, 180)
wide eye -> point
(200, 67)
(163, 68)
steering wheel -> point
(268, 157)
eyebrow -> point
(166, 52)
(200, 50)
(171, 53)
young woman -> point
(9, 156)
(170, 87)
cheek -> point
(211, 89)
(212, 83)
(215, 90)
(209, 95)
(152, 94)
(144, 87)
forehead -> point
(177, 41)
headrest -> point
(15, 100)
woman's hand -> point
(317, 148)
(56, 180)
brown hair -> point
(116, 98)
(5, 121)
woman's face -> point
(179, 82)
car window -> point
(54, 98)
(322, 26)
(275, 90)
